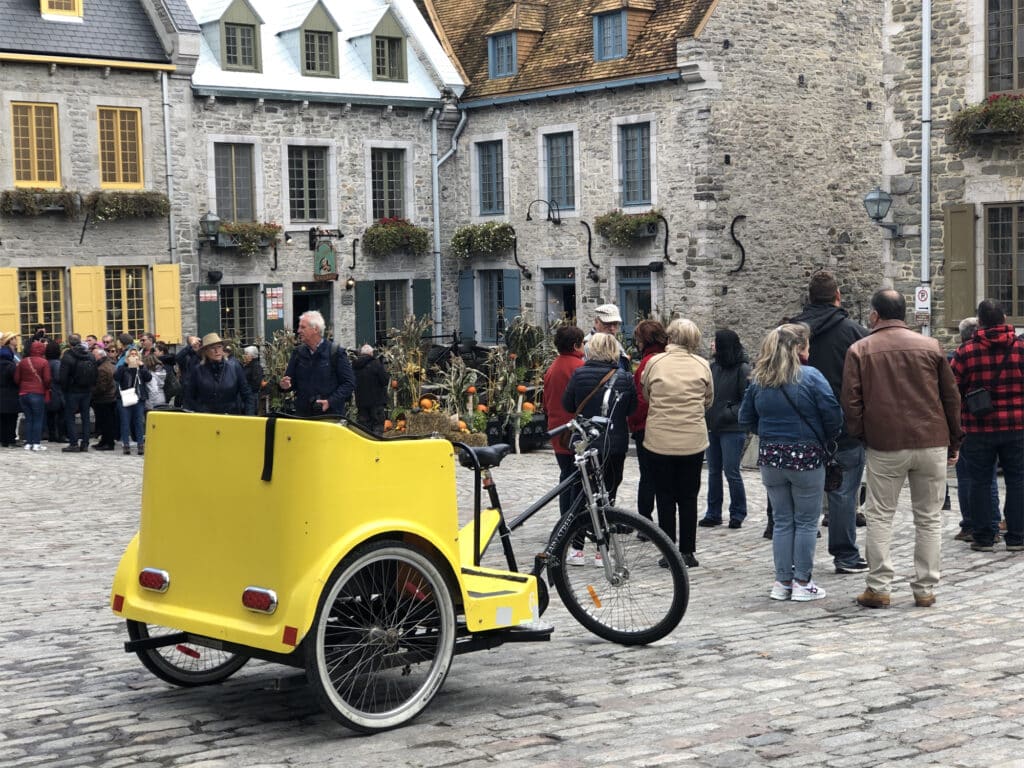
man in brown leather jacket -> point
(901, 399)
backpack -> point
(83, 375)
(172, 385)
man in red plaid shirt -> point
(994, 360)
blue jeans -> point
(77, 401)
(980, 451)
(34, 408)
(842, 508)
(796, 504)
(133, 419)
(963, 496)
(725, 449)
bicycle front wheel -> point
(647, 594)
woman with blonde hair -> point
(792, 409)
(677, 385)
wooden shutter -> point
(467, 315)
(88, 301)
(9, 301)
(510, 279)
(960, 289)
(167, 302)
(207, 309)
(421, 298)
(366, 332)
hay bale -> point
(472, 439)
(427, 422)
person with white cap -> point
(608, 320)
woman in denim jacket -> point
(791, 454)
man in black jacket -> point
(318, 371)
(371, 389)
(832, 333)
(77, 378)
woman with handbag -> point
(33, 379)
(569, 344)
(132, 378)
(795, 414)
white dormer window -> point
(240, 38)
(389, 55)
(61, 10)
(318, 53)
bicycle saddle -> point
(489, 456)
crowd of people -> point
(834, 406)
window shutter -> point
(467, 314)
(88, 301)
(421, 298)
(510, 278)
(208, 312)
(365, 327)
(167, 302)
(9, 300)
(960, 291)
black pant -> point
(55, 432)
(612, 472)
(676, 484)
(645, 488)
(106, 423)
(77, 402)
(372, 417)
(8, 428)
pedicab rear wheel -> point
(184, 664)
(383, 637)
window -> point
(389, 58)
(120, 147)
(307, 183)
(387, 179)
(1005, 46)
(36, 150)
(492, 178)
(240, 47)
(1004, 257)
(560, 162)
(63, 7)
(390, 306)
(319, 53)
(559, 295)
(634, 296)
(610, 36)
(41, 293)
(238, 313)
(492, 305)
(501, 55)
(635, 161)
(233, 171)
(125, 289)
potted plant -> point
(622, 229)
(35, 201)
(395, 234)
(999, 114)
(247, 236)
(482, 239)
(111, 206)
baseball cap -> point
(608, 313)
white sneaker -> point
(38, 447)
(598, 560)
(781, 591)
(576, 557)
(806, 592)
(28, 446)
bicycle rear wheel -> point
(644, 600)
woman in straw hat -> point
(218, 383)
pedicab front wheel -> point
(383, 637)
(184, 664)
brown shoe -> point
(924, 601)
(964, 535)
(871, 599)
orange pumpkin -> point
(528, 406)
(394, 383)
(388, 424)
(426, 403)
(471, 390)
(482, 408)
(462, 426)
(521, 389)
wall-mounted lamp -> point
(350, 283)
(288, 239)
(877, 203)
(214, 276)
(554, 212)
(209, 227)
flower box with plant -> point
(622, 229)
(35, 201)
(482, 239)
(999, 114)
(247, 236)
(387, 236)
(111, 206)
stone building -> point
(88, 135)
(752, 127)
(976, 243)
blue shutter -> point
(421, 298)
(510, 287)
(467, 315)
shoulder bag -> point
(130, 396)
(979, 401)
(833, 469)
(563, 438)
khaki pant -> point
(925, 468)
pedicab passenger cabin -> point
(300, 541)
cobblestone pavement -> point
(744, 681)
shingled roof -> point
(565, 51)
(109, 29)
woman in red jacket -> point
(569, 343)
(33, 379)
(650, 339)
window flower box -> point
(36, 202)
(389, 235)
(248, 237)
(482, 239)
(112, 206)
(1000, 115)
(622, 229)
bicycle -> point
(642, 590)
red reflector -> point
(187, 650)
(291, 636)
(154, 579)
(259, 599)
(118, 603)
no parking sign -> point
(923, 305)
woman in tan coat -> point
(678, 387)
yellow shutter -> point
(959, 286)
(167, 302)
(88, 301)
(9, 301)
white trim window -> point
(634, 162)
(310, 191)
(389, 182)
(489, 174)
(558, 167)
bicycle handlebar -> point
(585, 428)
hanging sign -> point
(325, 262)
